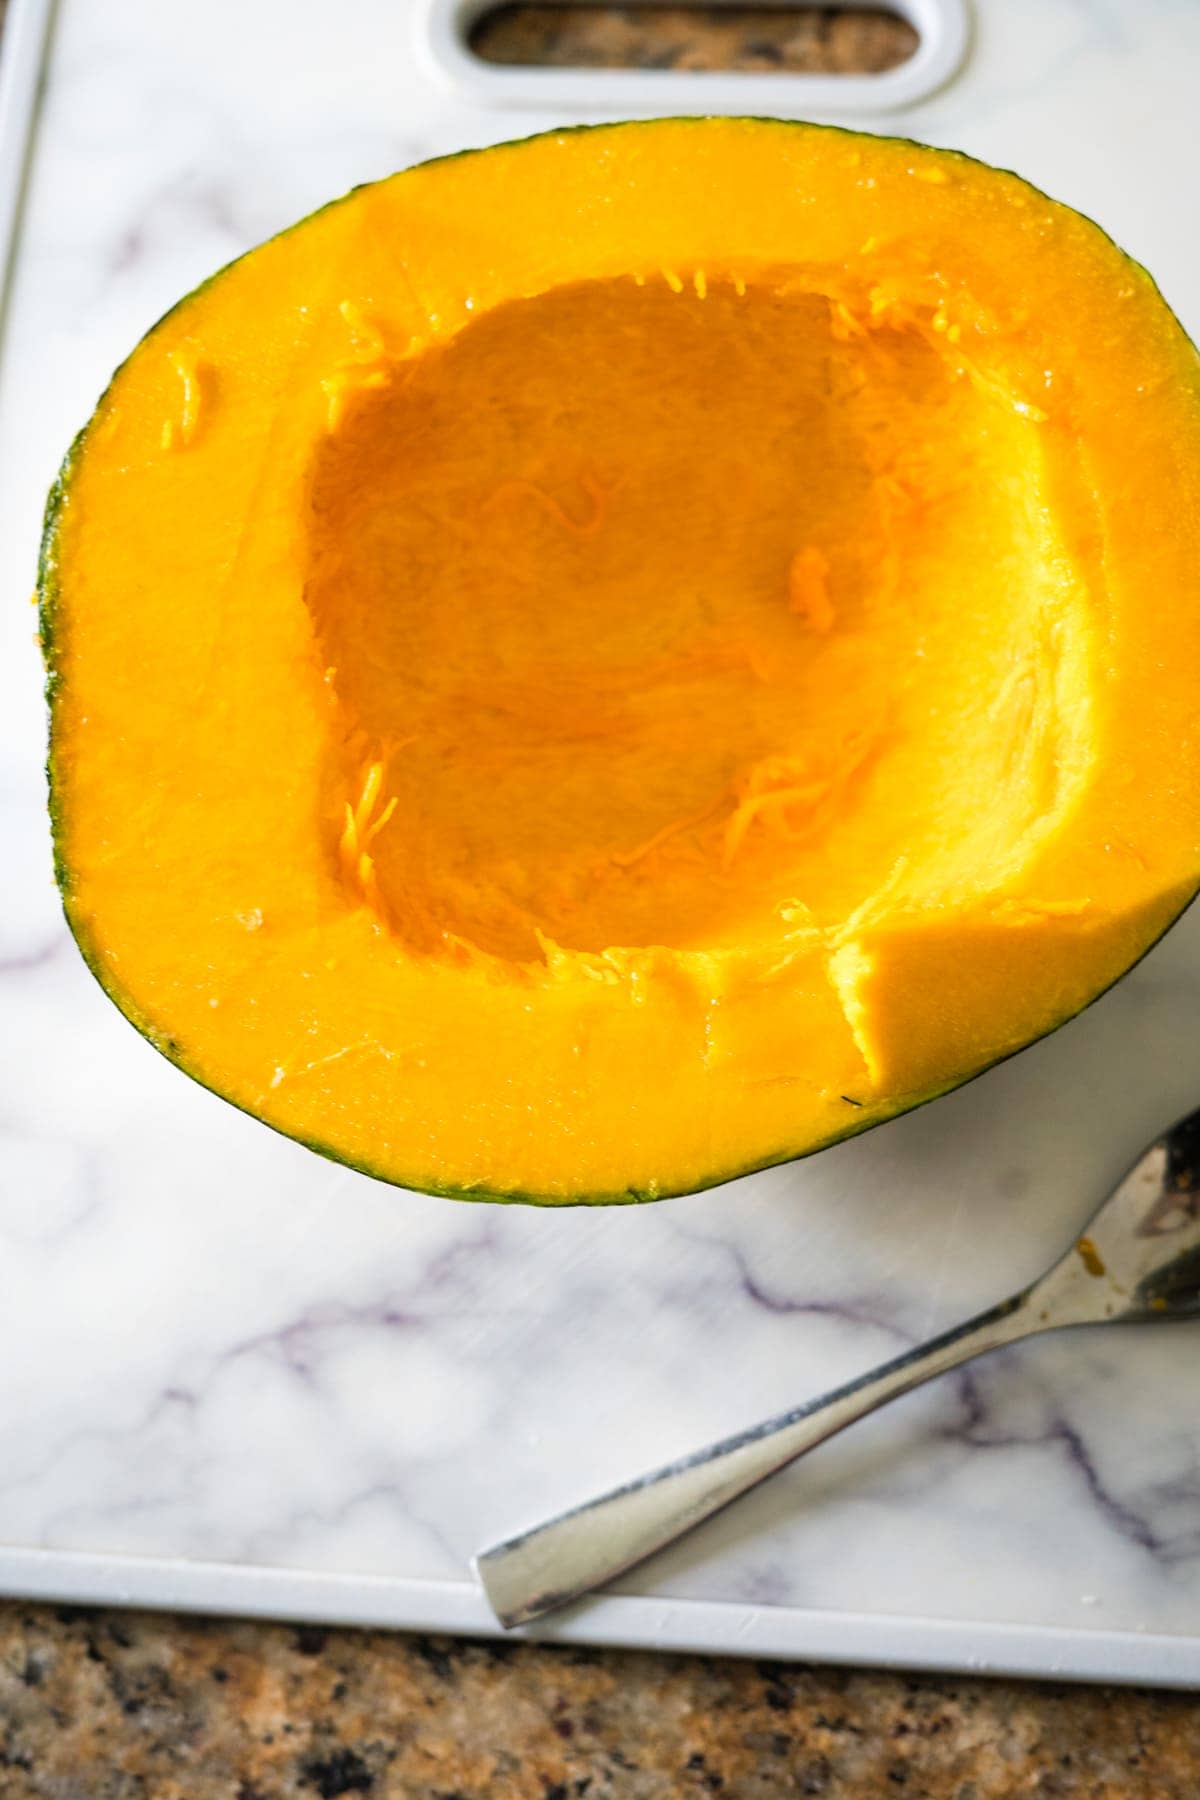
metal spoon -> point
(1139, 1260)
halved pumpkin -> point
(596, 665)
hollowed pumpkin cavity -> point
(664, 617)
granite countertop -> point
(109, 1706)
(656, 36)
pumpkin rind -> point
(484, 1036)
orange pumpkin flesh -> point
(596, 665)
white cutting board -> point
(233, 1376)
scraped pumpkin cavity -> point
(665, 613)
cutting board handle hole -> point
(840, 62)
(794, 38)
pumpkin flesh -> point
(586, 710)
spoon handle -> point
(556, 1562)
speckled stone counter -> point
(655, 36)
(110, 1706)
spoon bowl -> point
(1139, 1258)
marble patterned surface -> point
(214, 1345)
